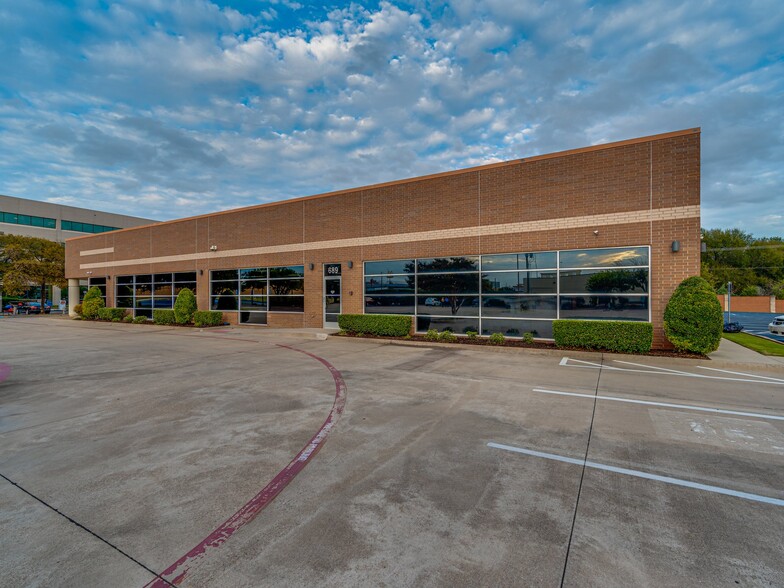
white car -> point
(777, 326)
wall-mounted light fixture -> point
(89, 273)
(108, 278)
(676, 246)
(350, 264)
(596, 232)
(201, 272)
(213, 247)
(310, 266)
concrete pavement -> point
(150, 437)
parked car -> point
(35, 308)
(733, 327)
(777, 326)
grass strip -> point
(758, 344)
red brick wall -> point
(646, 175)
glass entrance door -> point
(332, 291)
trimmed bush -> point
(693, 319)
(109, 314)
(127, 318)
(622, 336)
(207, 318)
(472, 335)
(92, 303)
(447, 337)
(431, 335)
(496, 339)
(528, 337)
(185, 306)
(163, 316)
(139, 320)
(387, 325)
(78, 309)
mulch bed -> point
(482, 342)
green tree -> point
(185, 306)
(693, 319)
(30, 260)
(92, 303)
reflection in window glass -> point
(287, 271)
(287, 303)
(253, 287)
(389, 284)
(185, 277)
(395, 266)
(125, 279)
(257, 273)
(519, 282)
(253, 303)
(223, 289)
(520, 261)
(520, 306)
(389, 304)
(459, 283)
(517, 328)
(627, 256)
(442, 323)
(621, 308)
(468, 263)
(223, 303)
(286, 287)
(253, 318)
(216, 275)
(448, 305)
(606, 281)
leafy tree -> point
(693, 319)
(452, 285)
(618, 281)
(30, 260)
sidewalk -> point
(730, 352)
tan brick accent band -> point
(97, 251)
(555, 224)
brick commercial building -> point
(603, 232)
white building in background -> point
(58, 222)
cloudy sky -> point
(169, 108)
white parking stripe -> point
(662, 371)
(702, 367)
(664, 404)
(640, 474)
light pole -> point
(729, 302)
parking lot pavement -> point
(756, 323)
(449, 466)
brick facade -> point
(639, 192)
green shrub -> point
(496, 339)
(185, 306)
(127, 318)
(447, 337)
(207, 318)
(472, 335)
(528, 337)
(431, 335)
(622, 336)
(163, 316)
(116, 319)
(139, 320)
(92, 303)
(387, 325)
(109, 314)
(78, 309)
(693, 319)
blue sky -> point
(169, 108)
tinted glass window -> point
(162, 302)
(143, 302)
(223, 275)
(161, 278)
(144, 279)
(124, 302)
(286, 287)
(254, 273)
(519, 282)
(466, 283)
(125, 279)
(448, 305)
(604, 257)
(287, 271)
(143, 289)
(519, 306)
(389, 304)
(253, 318)
(124, 290)
(389, 284)
(442, 323)
(520, 261)
(604, 281)
(223, 303)
(182, 285)
(185, 277)
(517, 328)
(448, 264)
(162, 289)
(624, 308)
(253, 303)
(253, 287)
(223, 289)
(287, 303)
(395, 266)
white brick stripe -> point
(97, 251)
(615, 218)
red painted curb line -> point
(179, 569)
(5, 371)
